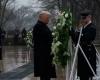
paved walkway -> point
(17, 74)
(14, 57)
(15, 63)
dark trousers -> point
(84, 77)
(44, 78)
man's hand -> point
(81, 24)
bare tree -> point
(3, 4)
(4, 15)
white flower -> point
(70, 22)
(54, 27)
(66, 15)
(58, 24)
(55, 48)
(71, 14)
(53, 33)
(63, 22)
(58, 43)
(63, 13)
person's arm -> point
(75, 32)
(74, 35)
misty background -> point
(20, 14)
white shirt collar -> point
(78, 29)
(87, 24)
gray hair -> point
(44, 12)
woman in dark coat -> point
(42, 39)
(86, 42)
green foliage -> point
(61, 38)
(28, 39)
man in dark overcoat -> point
(86, 42)
(42, 40)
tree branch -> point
(3, 12)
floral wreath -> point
(61, 38)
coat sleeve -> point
(74, 35)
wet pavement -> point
(14, 57)
(16, 61)
(18, 73)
